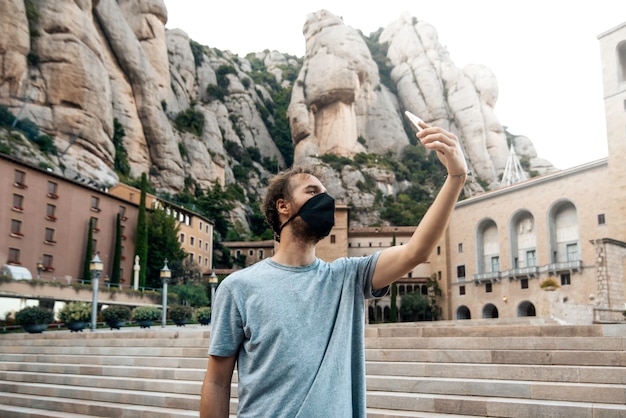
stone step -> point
(498, 343)
(390, 413)
(174, 386)
(484, 406)
(19, 405)
(471, 329)
(78, 350)
(536, 357)
(134, 399)
(521, 389)
(572, 374)
(146, 372)
(114, 360)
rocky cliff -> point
(106, 80)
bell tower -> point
(613, 56)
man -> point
(293, 323)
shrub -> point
(34, 315)
(116, 313)
(146, 313)
(549, 282)
(181, 312)
(75, 312)
(203, 315)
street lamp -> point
(165, 274)
(39, 268)
(95, 267)
(213, 283)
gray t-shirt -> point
(299, 336)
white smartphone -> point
(414, 120)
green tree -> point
(117, 254)
(191, 294)
(163, 243)
(141, 243)
(414, 306)
(88, 252)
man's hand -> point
(448, 148)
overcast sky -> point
(544, 54)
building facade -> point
(45, 220)
(195, 231)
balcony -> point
(491, 277)
(566, 267)
(523, 273)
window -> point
(200, 260)
(200, 243)
(182, 238)
(191, 257)
(52, 190)
(460, 272)
(49, 235)
(207, 228)
(251, 252)
(192, 241)
(18, 202)
(95, 204)
(524, 283)
(601, 219)
(94, 224)
(439, 275)
(261, 254)
(531, 258)
(47, 262)
(565, 279)
(14, 256)
(438, 250)
(50, 212)
(488, 287)
(237, 253)
(122, 213)
(19, 179)
(460, 247)
(200, 227)
(206, 246)
(572, 252)
(333, 239)
(16, 228)
(495, 264)
(461, 290)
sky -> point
(545, 54)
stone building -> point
(569, 225)
(44, 223)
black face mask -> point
(319, 214)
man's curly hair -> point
(279, 187)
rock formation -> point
(74, 68)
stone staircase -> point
(448, 368)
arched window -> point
(564, 233)
(487, 247)
(463, 312)
(621, 56)
(523, 240)
(490, 311)
(526, 309)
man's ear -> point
(282, 206)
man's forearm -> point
(215, 400)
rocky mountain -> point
(119, 95)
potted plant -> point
(75, 315)
(180, 314)
(34, 319)
(203, 315)
(549, 284)
(116, 316)
(146, 315)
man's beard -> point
(301, 231)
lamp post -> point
(95, 267)
(213, 283)
(165, 274)
(39, 268)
